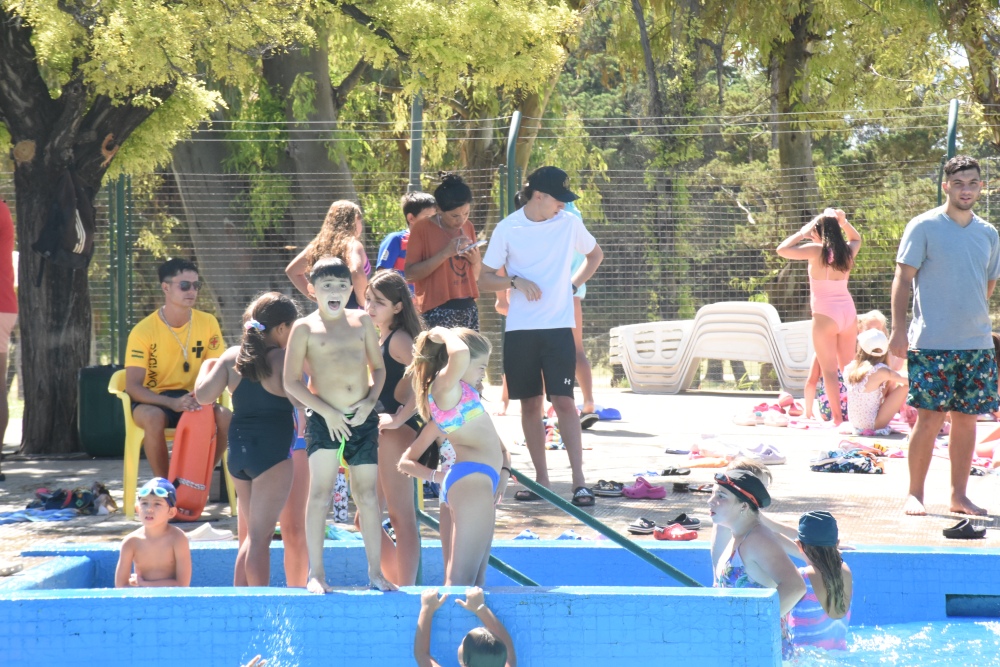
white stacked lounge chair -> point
(663, 357)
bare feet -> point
(318, 586)
(962, 505)
(914, 506)
(380, 583)
(502, 411)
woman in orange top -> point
(441, 261)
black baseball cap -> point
(552, 181)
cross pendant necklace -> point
(184, 346)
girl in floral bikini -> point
(756, 557)
(447, 365)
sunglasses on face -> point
(155, 490)
(187, 285)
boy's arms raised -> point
(376, 367)
(476, 603)
(295, 356)
(124, 569)
(429, 604)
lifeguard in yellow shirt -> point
(165, 353)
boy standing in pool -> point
(338, 347)
(160, 552)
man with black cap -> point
(534, 245)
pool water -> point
(930, 644)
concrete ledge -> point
(61, 573)
(552, 627)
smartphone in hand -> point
(477, 244)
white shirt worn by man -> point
(541, 252)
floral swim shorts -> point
(824, 400)
(960, 380)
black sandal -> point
(583, 497)
(609, 489)
(526, 495)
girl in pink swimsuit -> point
(830, 244)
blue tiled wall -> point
(223, 627)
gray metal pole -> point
(952, 138)
(416, 142)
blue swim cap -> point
(818, 529)
(161, 488)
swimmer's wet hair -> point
(481, 648)
(329, 267)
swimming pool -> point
(934, 644)
(596, 603)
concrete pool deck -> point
(868, 507)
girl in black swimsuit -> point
(391, 308)
(262, 428)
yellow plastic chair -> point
(133, 447)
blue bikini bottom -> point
(464, 469)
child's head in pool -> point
(481, 648)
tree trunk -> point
(317, 180)
(967, 22)
(49, 136)
(799, 192)
(54, 322)
(532, 109)
(226, 256)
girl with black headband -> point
(755, 556)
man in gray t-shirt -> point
(951, 257)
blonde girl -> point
(875, 392)
(447, 366)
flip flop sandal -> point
(608, 489)
(588, 420)
(674, 533)
(668, 472)
(526, 495)
(686, 521)
(684, 487)
(583, 497)
(641, 526)
(964, 530)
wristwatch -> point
(512, 279)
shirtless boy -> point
(338, 348)
(160, 552)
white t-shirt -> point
(541, 252)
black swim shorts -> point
(360, 449)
